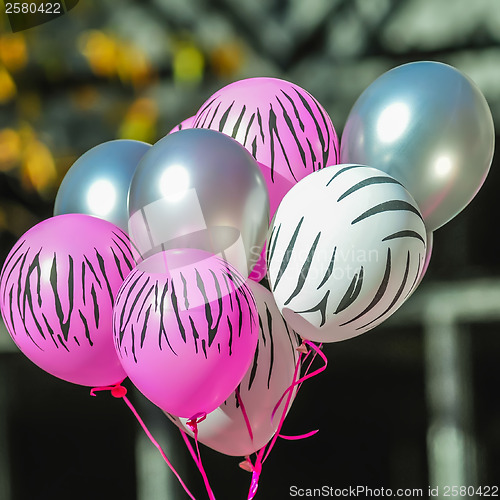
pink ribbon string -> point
(261, 455)
(188, 446)
(256, 470)
(299, 436)
(299, 385)
(285, 409)
(317, 351)
(254, 484)
(195, 458)
(192, 423)
(311, 361)
(118, 391)
(264, 452)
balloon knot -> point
(302, 348)
(193, 422)
(118, 391)
(245, 465)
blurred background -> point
(410, 404)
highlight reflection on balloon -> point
(393, 122)
(174, 183)
(429, 126)
(98, 182)
(200, 189)
(101, 197)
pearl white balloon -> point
(346, 247)
(270, 374)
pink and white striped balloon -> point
(268, 377)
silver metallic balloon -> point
(98, 182)
(429, 126)
(201, 189)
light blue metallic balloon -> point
(198, 188)
(98, 182)
(429, 126)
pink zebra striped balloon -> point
(281, 124)
(57, 291)
(186, 329)
(284, 127)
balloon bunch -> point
(150, 267)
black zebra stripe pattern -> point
(281, 124)
(186, 316)
(345, 249)
(203, 308)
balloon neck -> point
(193, 422)
(302, 348)
(246, 465)
(117, 390)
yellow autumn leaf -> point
(227, 59)
(10, 149)
(188, 64)
(13, 51)
(8, 87)
(101, 52)
(140, 121)
(133, 66)
(39, 166)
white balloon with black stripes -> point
(266, 380)
(346, 247)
